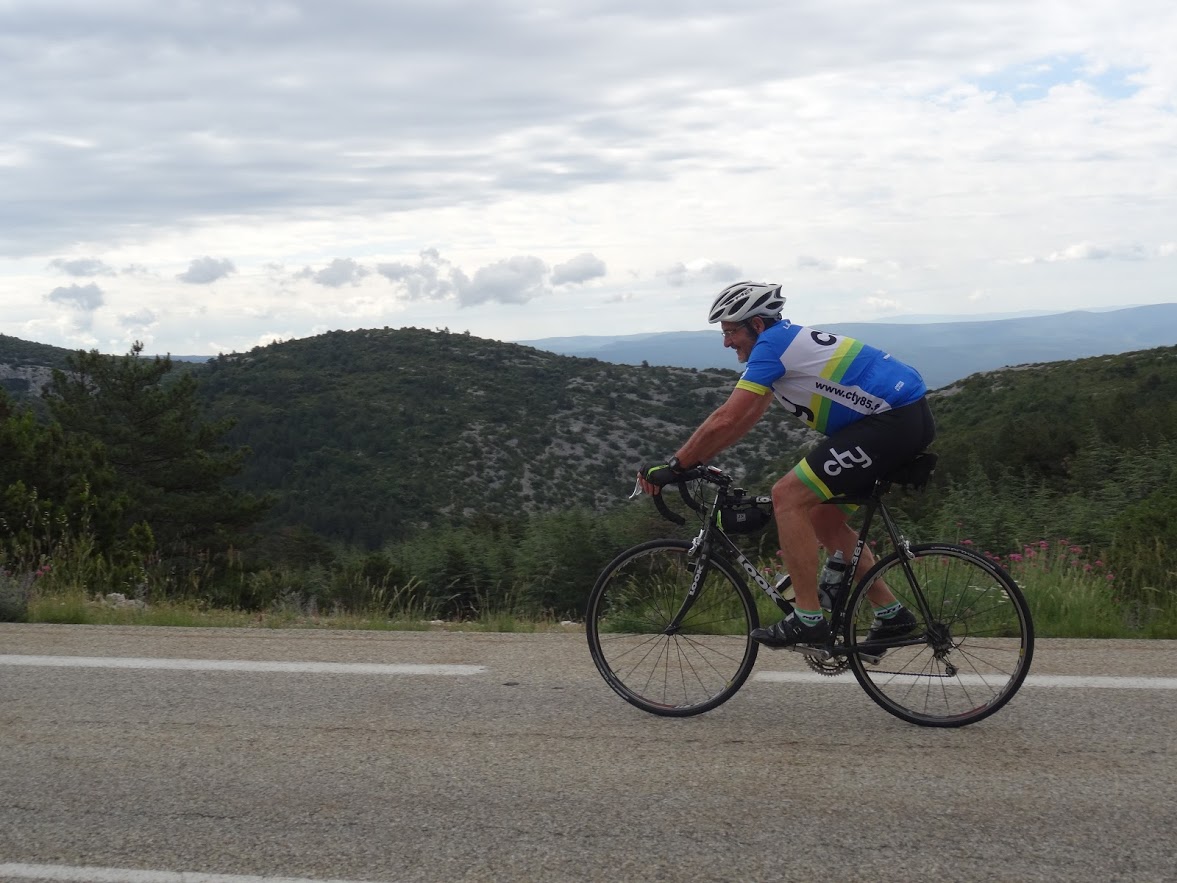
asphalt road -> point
(518, 763)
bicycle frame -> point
(711, 534)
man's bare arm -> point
(727, 424)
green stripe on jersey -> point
(844, 355)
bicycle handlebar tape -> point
(666, 512)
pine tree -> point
(52, 487)
(171, 465)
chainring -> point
(828, 667)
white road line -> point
(129, 875)
(970, 680)
(347, 668)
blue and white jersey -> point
(826, 380)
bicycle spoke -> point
(973, 655)
(686, 668)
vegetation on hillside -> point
(368, 437)
(444, 474)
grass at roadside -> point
(77, 609)
(1071, 595)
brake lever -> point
(637, 489)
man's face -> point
(740, 336)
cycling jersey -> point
(827, 380)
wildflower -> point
(966, 542)
(1015, 557)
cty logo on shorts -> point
(846, 460)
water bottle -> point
(830, 580)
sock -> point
(809, 617)
(889, 611)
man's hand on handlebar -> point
(653, 478)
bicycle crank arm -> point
(823, 655)
(819, 653)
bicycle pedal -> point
(871, 658)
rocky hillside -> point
(403, 427)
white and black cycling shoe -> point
(791, 632)
(898, 626)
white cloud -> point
(881, 303)
(1089, 251)
(137, 324)
(516, 280)
(86, 298)
(82, 267)
(581, 268)
(702, 272)
(831, 265)
(432, 278)
(206, 270)
(340, 272)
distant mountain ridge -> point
(944, 352)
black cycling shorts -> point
(850, 460)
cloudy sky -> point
(209, 175)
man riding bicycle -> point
(873, 411)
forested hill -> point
(365, 435)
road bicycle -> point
(668, 620)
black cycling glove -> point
(664, 474)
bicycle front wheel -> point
(658, 648)
(969, 651)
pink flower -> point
(1015, 557)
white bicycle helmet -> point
(742, 301)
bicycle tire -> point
(964, 664)
(694, 668)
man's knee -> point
(790, 494)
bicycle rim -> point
(675, 672)
(970, 651)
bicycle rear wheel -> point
(663, 669)
(972, 646)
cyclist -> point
(874, 413)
